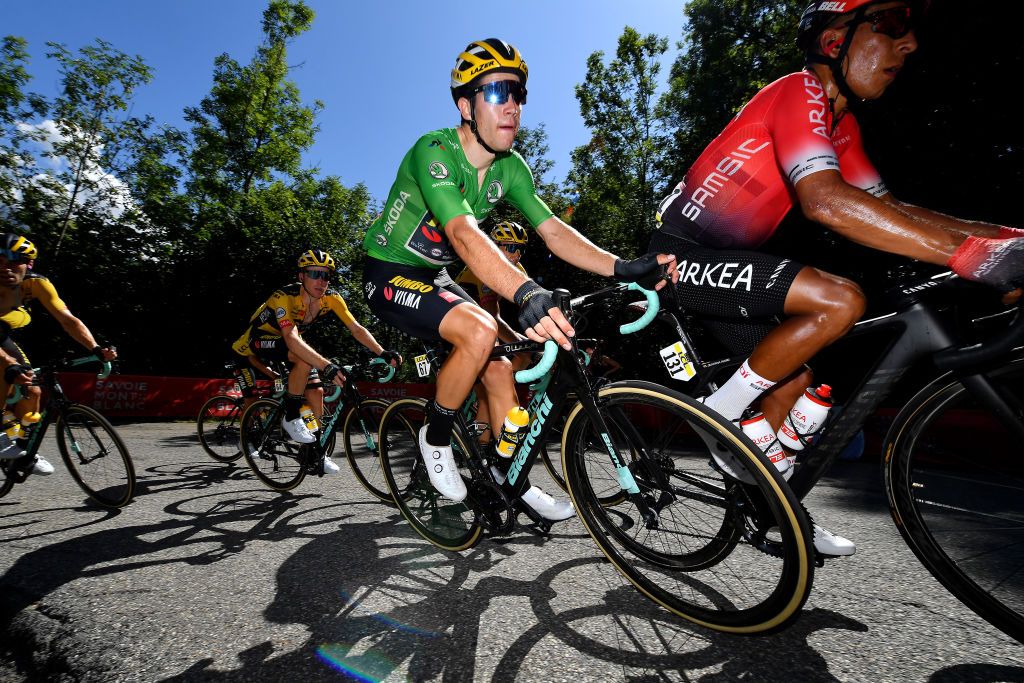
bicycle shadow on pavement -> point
(184, 476)
(389, 604)
(208, 525)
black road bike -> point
(89, 445)
(953, 458)
(637, 460)
(281, 463)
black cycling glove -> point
(534, 303)
(13, 370)
(388, 355)
(329, 372)
(645, 271)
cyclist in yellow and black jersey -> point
(19, 288)
(511, 239)
(275, 334)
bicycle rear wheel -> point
(730, 556)
(274, 458)
(954, 475)
(361, 430)
(95, 455)
(446, 524)
(217, 426)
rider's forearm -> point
(304, 351)
(77, 330)
(879, 224)
(951, 224)
(569, 245)
(363, 336)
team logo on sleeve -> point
(280, 312)
(494, 192)
(437, 170)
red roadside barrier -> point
(172, 397)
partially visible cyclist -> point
(19, 288)
(798, 142)
(511, 239)
(275, 334)
(449, 181)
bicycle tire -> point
(446, 524)
(706, 561)
(360, 432)
(957, 499)
(95, 455)
(217, 427)
(273, 457)
(6, 485)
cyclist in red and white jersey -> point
(797, 143)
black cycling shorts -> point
(414, 299)
(15, 352)
(738, 295)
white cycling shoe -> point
(41, 466)
(441, 468)
(298, 430)
(827, 543)
(330, 467)
(546, 506)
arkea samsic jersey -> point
(435, 184)
(740, 188)
(34, 287)
(285, 308)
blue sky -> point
(381, 68)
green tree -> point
(97, 87)
(15, 105)
(615, 176)
(730, 50)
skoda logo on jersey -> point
(494, 192)
(437, 170)
(382, 240)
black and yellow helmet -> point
(316, 257)
(19, 247)
(484, 57)
(508, 232)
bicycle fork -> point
(627, 482)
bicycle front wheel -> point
(729, 555)
(445, 523)
(361, 430)
(955, 480)
(217, 426)
(275, 459)
(96, 456)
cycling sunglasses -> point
(510, 249)
(894, 22)
(318, 274)
(498, 92)
(13, 257)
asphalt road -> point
(209, 576)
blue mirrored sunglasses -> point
(318, 274)
(498, 92)
(13, 257)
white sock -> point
(742, 389)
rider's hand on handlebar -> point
(18, 374)
(393, 358)
(333, 373)
(105, 352)
(996, 262)
(650, 271)
(540, 318)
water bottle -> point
(806, 417)
(11, 426)
(512, 432)
(761, 433)
(306, 413)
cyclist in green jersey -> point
(449, 181)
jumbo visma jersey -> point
(435, 184)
